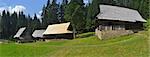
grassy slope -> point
(135, 45)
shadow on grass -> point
(85, 35)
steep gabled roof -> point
(119, 13)
(57, 29)
(38, 33)
(20, 32)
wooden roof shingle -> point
(38, 33)
(20, 31)
(108, 12)
(57, 29)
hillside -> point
(135, 45)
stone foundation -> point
(112, 33)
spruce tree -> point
(35, 23)
(29, 21)
(3, 25)
(44, 17)
(92, 11)
(50, 13)
(62, 10)
(22, 21)
(54, 12)
(13, 23)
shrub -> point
(147, 25)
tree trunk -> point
(74, 31)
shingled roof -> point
(57, 29)
(108, 12)
(20, 31)
(38, 33)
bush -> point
(147, 25)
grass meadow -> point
(88, 45)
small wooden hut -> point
(58, 31)
(38, 34)
(116, 21)
(23, 35)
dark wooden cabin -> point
(115, 21)
(23, 35)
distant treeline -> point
(10, 23)
(82, 16)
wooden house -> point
(115, 21)
(23, 35)
(58, 31)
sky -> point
(30, 7)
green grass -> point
(135, 45)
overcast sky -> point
(28, 6)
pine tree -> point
(5, 24)
(62, 10)
(29, 22)
(13, 23)
(92, 11)
(22, 21)
(48, 3)
(44, 17)
(50, 13)
(54, 12)
(60, 14)
(35, 23)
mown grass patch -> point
(135, 45)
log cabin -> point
(23, 35)
(115, 21)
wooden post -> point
(74, 33)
